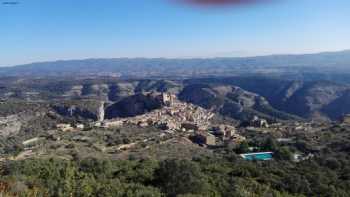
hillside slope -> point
(308, 99)
(231, 101)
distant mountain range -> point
(286, 87)
(240, 98)
(321, 65)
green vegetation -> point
(202, 176)
(134, 161)
(15, 107)
(164, 169)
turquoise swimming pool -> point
(257, 156)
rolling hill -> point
(316, 66)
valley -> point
(174, 98)
(252, 129)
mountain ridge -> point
(345, 51)
(337, 62)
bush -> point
(283, 153)
(177, 177)
(243, 148)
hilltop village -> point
(177, 122)
(174, 116)
(174, 122)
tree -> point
(333, 163)
(283, 153)
(177, 177)
(243, 147)
(270, 144)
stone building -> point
(189, 126)
(177, 116)
(167, 99)
(258, 122)
(80, 126)
(226, 131)
(346, 119)
(65, 127)
(205, 138)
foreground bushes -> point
(200, 177)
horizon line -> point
(175, 58)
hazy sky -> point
(40, 30)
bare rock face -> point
(231, 101)
(101, 112)
(131, 106)
(321, 100)
(338, 107)
(309, 99)
(74, 91)
(79, 109)
(76, 112)
(292, 89)
(9, 125)
(317, 100)
(120, 90)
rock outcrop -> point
(231, 101)
(132, 106)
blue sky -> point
(42, 30)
